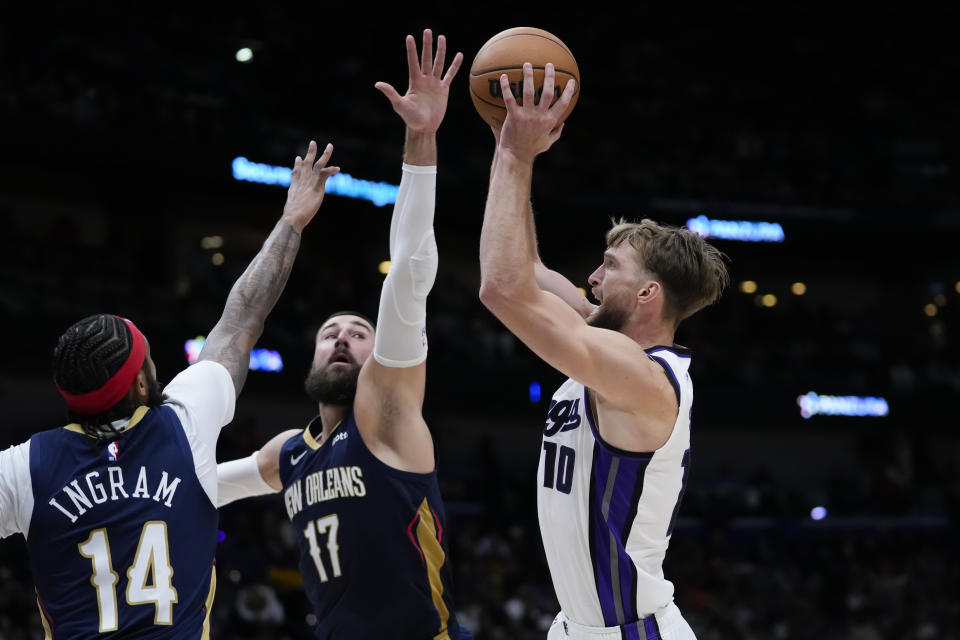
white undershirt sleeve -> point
(16, 490)
(401, 339)
(238, 479)
(203, 397)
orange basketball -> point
(505, 53)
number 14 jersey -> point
(606, 515)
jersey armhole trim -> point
(670, 376)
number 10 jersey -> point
(606, 515)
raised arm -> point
(256, 291)
(547, 279)
(606, 361)
(391, 385)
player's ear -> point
(140, 387)
(648, 292)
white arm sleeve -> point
(203, 397)
(16, 490)
(239, 479)
(401, 339)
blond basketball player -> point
(616, 443)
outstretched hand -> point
(532, 128)
(424, 104)
(307, 186)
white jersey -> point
(606, 515)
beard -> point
(333, 385)
(608, 316)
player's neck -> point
(650, 335)
(330, 416)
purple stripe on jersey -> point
(601, 539)
(631, 632)
(614, 494)
(650, 628)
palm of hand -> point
(424, 104)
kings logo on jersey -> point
(113, 451)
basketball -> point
(505, 53)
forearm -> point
(250, 301)
(413, 267)
(507, 251)
(242, 478)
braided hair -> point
(87, 355)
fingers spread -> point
(324, 157)
(454, 67)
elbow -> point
(494, 294)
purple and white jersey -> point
(606, 515)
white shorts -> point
(665, 624)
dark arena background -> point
(119, 130)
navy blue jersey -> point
(122, 535)
(373, 540)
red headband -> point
(116, 387)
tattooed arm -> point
(256, 291)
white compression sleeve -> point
(401, 322)
(239, 479)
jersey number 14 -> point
(152, 558)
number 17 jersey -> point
(373, 539)
(606, 515)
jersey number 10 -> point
(559, 466)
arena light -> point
(384, 267)
(534, 392)
(217, 259)
(812, 404)
(340, 184)
(211, 242)
(818, 513)
(748, 286)
(741, 230)
(260, 359)
(244, 54)
(930, 310)
(769, 300)
(798, 288)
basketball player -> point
(616, 444)
(119, 507)
(359, 482)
